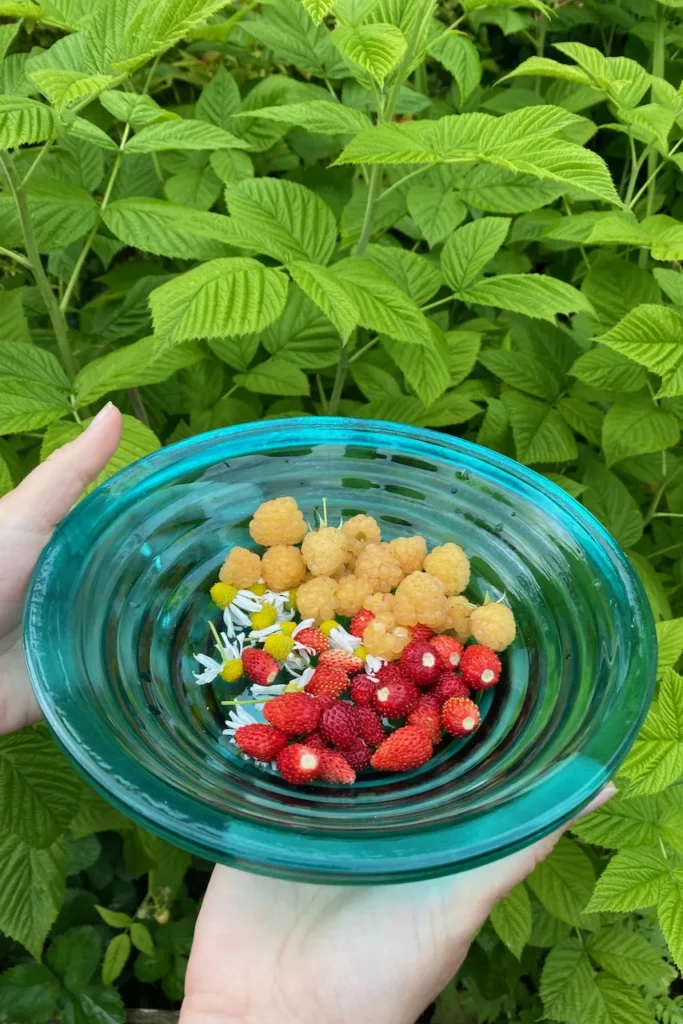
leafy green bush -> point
(457, 216)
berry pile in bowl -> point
(155, 579)
(352, 649)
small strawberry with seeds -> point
(297, 714)
(298, 764)
(370, 726)
(360, 622)
(407, 748)
(262, 742)
(338, 725)
(313, 638)
(344, 660)
(448, 651)
(419, 663)
(450, 684)
(460, 717)
(334, 767)
(395, 699)
(259, 666)
(420, 633)
(358, 756)
(480, 667)
(328, 680)
(427, 716)
(362, 690)
(316, 741)
(325, 701)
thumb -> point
(46, 495)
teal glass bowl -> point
(119, 604)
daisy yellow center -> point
(232, 670)
(361, 652)
(259, 589)
(265, 618)
(327, 626)
(223, 594)
(288, 628)
(279, 646)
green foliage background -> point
(463, 216)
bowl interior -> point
(120, 604)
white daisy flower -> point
(341, 638)
(238, 717)
(237, 612)
(228, 650)
(304, 624)
(212, 668)
(267, 691)
(372, 666)
(298, 682)
(299, 660)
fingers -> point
(601, 799)
(50, 491)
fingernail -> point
(102, 414)
(600, 800)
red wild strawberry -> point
(338, 725)
(262, 742)
(328, 680)
(409, 747)
(420, 633)
(362, 690)
(259, 666)
(460, 717)
(297, 714)
(358, 756)
(450, 684)
(298, 764)
(419, 663)
(316, 741)
(314, 638)
(335, 768)
(370, 726)
(325, 702)
(344, 660)
(427, 716)
(361, 621)
(480, 667)
(395, 699)
(448, 651)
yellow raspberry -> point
(351, 593)
(265, 618)
(361, 530)
(385, 641)
(383, 607)
(223, 594)
(232, 670)
(258, 589)
(325, 551)
(242, 568)
(420, 598)
(327, 625)
(459, 612)
(409, 552)
(288, 627)
(283, 567)
(317, 598)
(278, 522)
(279, 646)
(379, 567)
(451, 565)
(493, 625)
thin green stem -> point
(439, 302)
(363, 350)
(219, 645)
(330, 89)
(339, 379)
(652, 511)
(321, 393)
(668, 515)
(665, 551)
(635, 170)
(653, 176)
(16, 256)
(45, 149)
(370, 207)
(59, 325)
(658, 69)
(404, 179)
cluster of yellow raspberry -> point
(340, 570)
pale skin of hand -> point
(267, 951)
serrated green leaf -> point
(61, 213)
(219, 100)
(25, 121)
(141, 938)
(74, 955)
(317, 116)
(302, 335)
(98, 1002)
(546, 67)
(525, 372)
(511, 918)
(7, 36)
(656, 759)
(25, 405)
(149, 28)
(459, 55)
(632, 880)
(137, 440)
(115, 957)
(283, 219)
(329, 295)
(138, 110)
(436, 212)
(566, 980)
(275, 376)
(376, 49)
(470, 248)
(95, 815)
(636, 426)
(182, 134)
(28, 993)
(613, 1002)
(540, 433)
(627, 956)
(6, 481)
(237, 352)
(318, 8)
(670, 913)
(415, 274)
(221, 297)
(653, 337)
(582, 417)
(669, 644)
(290, 33)
(13, 323)
(114, 918)
(232, 166)
(31, 363)
(32, 883)
(605, 368)
(564, 882)
(424, 368)
(610, 501)
(154, 225)
(625, 823)
(63, 88)
(534, 295)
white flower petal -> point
(304, 624)
(339, 637)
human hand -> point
(272, 952)
(28, 515)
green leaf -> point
(376, 49)
(114, 918)
(669, 644)
(137, 440)
(95, 815)
(132, 366)
(564, 882)
(625, 823)
(39, 792)
(302, 335)
(636, 426)
(318, 8)
(182, 134)
(317, 116)
(545, 67)
(25, 121)
(26, 406)
(612, 1002)
(289, 32)
(274, 377)
(28, 993)
(540, 433)
(221, 297)
(566, 980)
(152, 968)
(425, 369)
(153, 225)
(670, 913)
(653, 337)
(141, 938)
(32, 883)
(283, 219)
(415, 274)
(329, 295)
(511, 918)
(436, 212)
(98, 1003)
(61, 213)
(237, 352)
(74, 956)
(135, 109)
(459, 55)
(534, 295)
(13, 324)
(219, 100)
(463, 349)
(141, 30)
(231, 165)
(606, 368)
(627, 956)
(7, 36)
(33, 364)
(6, 481)
(525, 372)
(671, 283)
(470, 248)
(610, 501)
(656, 759)
(614, 286)
(64, 88)
(582, 417)
(632, 880)
(115, 957)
